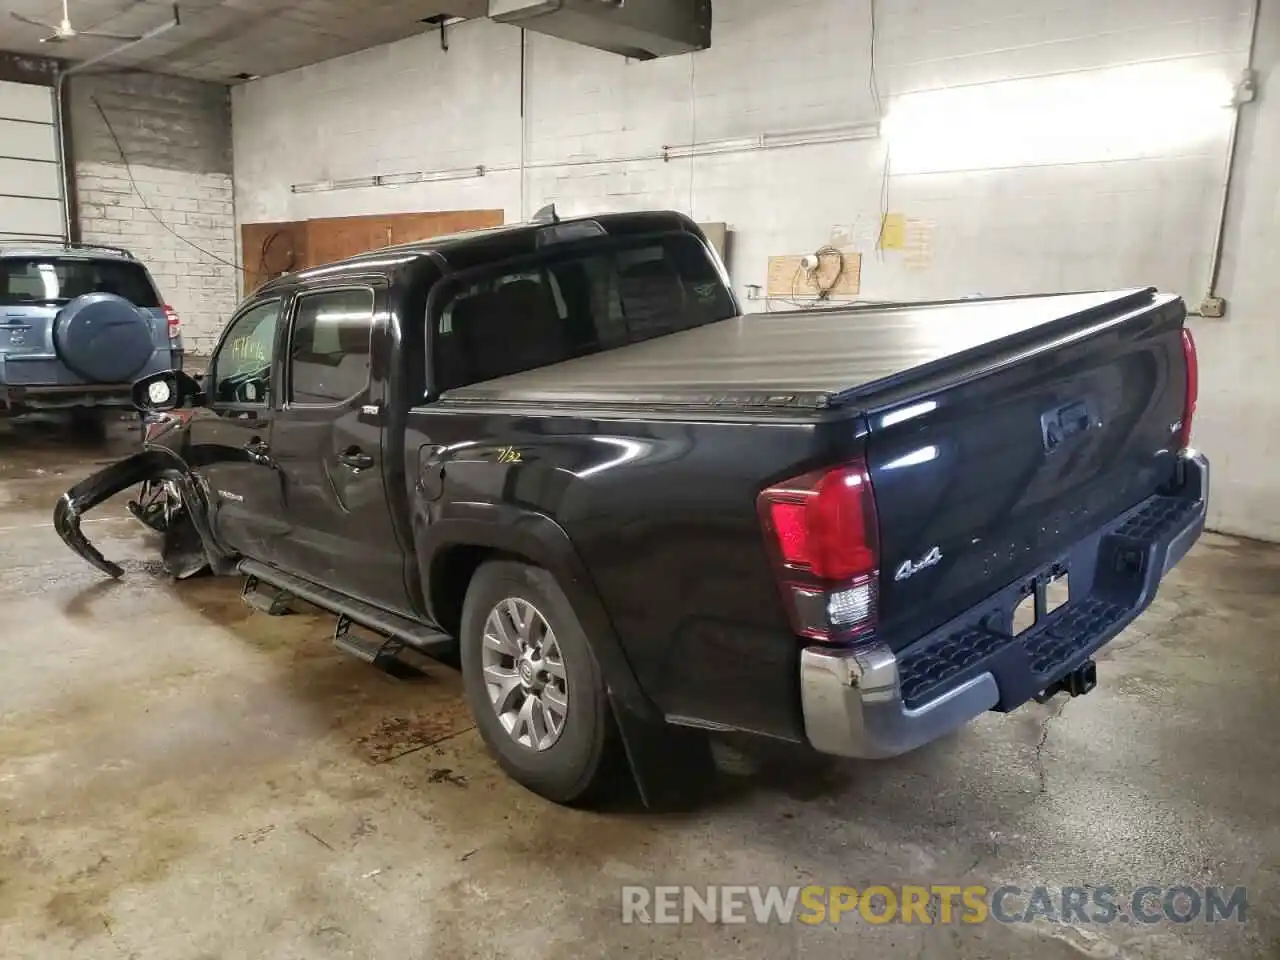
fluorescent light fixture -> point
(429, 176)
(390, 180)
(775, 140)
(841, 134)
(464, 173)
(355, 183)
(711, 147)
(399, 179)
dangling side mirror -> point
(167, 390)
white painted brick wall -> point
(199, 207)
(1035, 144)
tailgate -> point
(27, 331)
(989, 467)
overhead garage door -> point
(30, 180)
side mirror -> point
(166, 391)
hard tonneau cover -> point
(809, 360)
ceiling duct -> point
(641, 29)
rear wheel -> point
(533, 684)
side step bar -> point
(401, 629)
(385, 653)
(272, 601)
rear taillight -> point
(1193, 387)
(175, 322)
(821, 529)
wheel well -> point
(451, 574)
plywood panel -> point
(788, 279)
(271, 249)
(338, 237)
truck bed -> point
(810, 360)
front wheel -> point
(534, 686)
(158, 505)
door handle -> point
(355, 459)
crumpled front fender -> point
(155, 464)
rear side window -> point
(53, 280)
(329, 349)
(570, 305)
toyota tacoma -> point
(638, 516)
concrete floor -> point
(180, 778)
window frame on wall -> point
(295, 311)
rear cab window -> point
(55, 280)
(573, 302)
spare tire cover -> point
(103, 338)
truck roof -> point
(472, 248)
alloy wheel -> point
(524, 674)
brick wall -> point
(177, 214)
(1027, 146)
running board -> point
(406, 632)
(374, 649)
(272, 601)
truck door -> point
(327, 440)
(229, 437)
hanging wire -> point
(128, 169)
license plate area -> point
(1043, 595)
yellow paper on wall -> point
(893, 232)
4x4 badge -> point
(910, 569)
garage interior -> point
(181, 777)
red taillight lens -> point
(821, 529)
(175, 322)
(1193, 386)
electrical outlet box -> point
(1213, 307)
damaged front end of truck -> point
(169, 500)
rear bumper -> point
(31, 383)
(872, 702)
(66, 397)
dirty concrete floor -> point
(180, 778)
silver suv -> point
(79, 323)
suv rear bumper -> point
(32, 398)
(872, 702)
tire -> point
(103, 338)
(581, 762)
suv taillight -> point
(1193, 386)
(175, 322)
(821, 529)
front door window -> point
(241, 372)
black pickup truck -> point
(639, 515)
